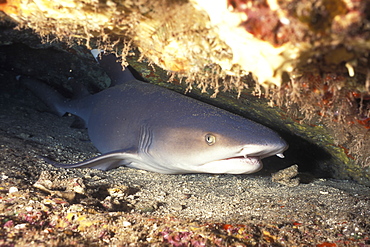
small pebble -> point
(20, 226)
(13, 190)
(287, 176)
(177, 207)
(126, 224)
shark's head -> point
(219, 143)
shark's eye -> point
(210, 139)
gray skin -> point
(144, 126)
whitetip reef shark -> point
(144, 126)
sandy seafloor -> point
(125, 206)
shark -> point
(141, 125)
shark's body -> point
(144, 126)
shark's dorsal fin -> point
(114, 69)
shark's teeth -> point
(280, 156)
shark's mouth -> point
(243, 157)
(241, 163)
(235, 165)
(248, 160)
(253, 157)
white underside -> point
(238, 165)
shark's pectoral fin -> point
(102, 162)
